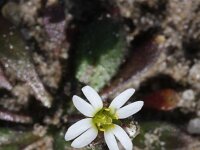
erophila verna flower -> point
(102, 119)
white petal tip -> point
(131, 90)
(85, 139)
(67, 137)
(140, 103)
(74, 97)
(122, 98)
(85, 87)
(75, 145)
(92, 96)
(130, 109)
(122, 136)
(82, 106)
(78, 128)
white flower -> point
(101, 119)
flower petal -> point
(82, 106)
(78, 128)
(129, 110)
(122, 98)
(123, 137)
(86, 138)
(93, 97)
(111, 141)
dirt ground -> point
(50, 49)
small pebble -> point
(194, 73)
(188, 95)
(194, 126)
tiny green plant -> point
(102, 119)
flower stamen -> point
(104, 119)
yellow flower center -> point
(104, 119)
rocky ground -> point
(50, 49)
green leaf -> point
(15, 57)
(59, 141)
(161, 135)
(99, 52)
(11, 139)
